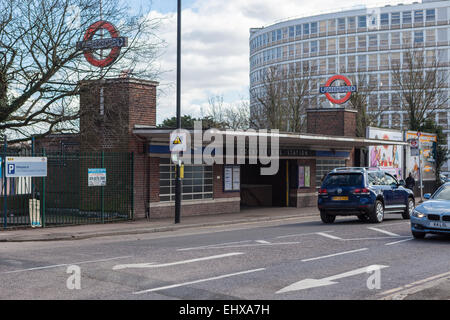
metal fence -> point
(65, 196)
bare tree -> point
(423, 86)
(41, 68)
(231, 116)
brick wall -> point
(305, 197)
(333, 122)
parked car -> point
(368, 193)
(432, 216)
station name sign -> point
(329, 89)
(99, 44)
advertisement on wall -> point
(428, 144)
(388, 158)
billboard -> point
(428, 144)
(388, 158)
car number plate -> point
(439, 224)
(340, 198)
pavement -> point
(142, 226)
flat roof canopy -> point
(162, 135)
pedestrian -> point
(410, 182)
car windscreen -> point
(443, 194)
(343, 179)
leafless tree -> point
(229, 116)
(423, 86)
(41, 68)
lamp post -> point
(178, 176)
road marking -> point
(300, 234)
(384, 231)
(403, 291)
(376, 238)
(65, 264)
(326, 235)
(152, 265)
(335, 254)
(391, 243)
(199, 281)
(263, 241)
(249, 245)
(313, 283)
(213, 245)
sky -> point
(215, 45)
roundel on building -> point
(90, 45)
(329, 89)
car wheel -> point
(409, 209)
(377, 215)
(418, 235)
(327, 218)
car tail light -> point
(323, 192)
(363, 191)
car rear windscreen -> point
(343, 179)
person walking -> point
(410, 182)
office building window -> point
(418, 36)
(407, 18)
(313, 27)
(291, 32)
(197, 182)
(279, 35)
(430, 15)
(362, 63)
(362, 22)
(362, 42)
(395, 18)
(384, 40)
(298, 30)
(325, 166)
(313, 46)
(351, 21)
(306, 29)
(331, 25)
(331, 45)
(418, 16)
(395, 38)
(373, 41)
(384, 19)
(341, 24)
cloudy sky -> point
(215, 47)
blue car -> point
(432, 216)
(368, 193)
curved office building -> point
(363, 41)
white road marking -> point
(65, 264)
(213, 245)
(199, 281)
(263, 241)
(384, 231)
(152, 265)
(335, 254)
(391, 243)
(300, 234)
(326, 235)
(313, 283)
(376, 238)
(248, 245)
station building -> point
(119, 115)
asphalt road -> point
(291, 259)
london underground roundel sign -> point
(328, 89)
(115, 43)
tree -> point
(231, 116)
(423, 86)
(41, 68)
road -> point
(299, 258)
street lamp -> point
(178, 167)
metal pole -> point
(178, 178)
(420, 168)
(5, 206)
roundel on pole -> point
(89, 45)
(329, 89)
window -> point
(418, 16)
(291, 50)
(389, 180)
(323, 167)
(407, 18)
(323, 46)
(373, 61)
(306, 48)
(314, 46)
(351, 62)
(332, 25)
(373, 41)
(395, 18)
(278, 34)
(351, 22)
(331, 65)
(351, 42)
(313, 27)
(384, 19)
(298, 30)
(197, 182)
(431, 36)
(395, 38)
(430, 15)
(291, 32)
(306, 29)
(342, 44)
(418, 36)
(331, 45)
(384, 40)
(274, 36)
(362, 22)
(406, 38)
(362, 42)
(341, 24)
(323, 26)
(362, 63)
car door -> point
(388, 192)
(396, 192)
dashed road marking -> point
(335, 254)
(396, 242)
(326, 235)
(385, 232)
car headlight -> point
(418, 214)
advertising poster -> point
(97, 177)
(307, 177)
(388, 158)
(301, 176)
(428, 144)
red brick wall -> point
(218, 184)
(333, 122)
(305, 197)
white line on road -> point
(376, 238)
(300, 234)
(213, 245)
(263, 241)
(335, 254)
(326, 235)
(65, 264)
(199, 281)
(391, 243)
(384, 231)
(152, 265)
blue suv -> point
(368, 193)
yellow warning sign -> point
(177, 140)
